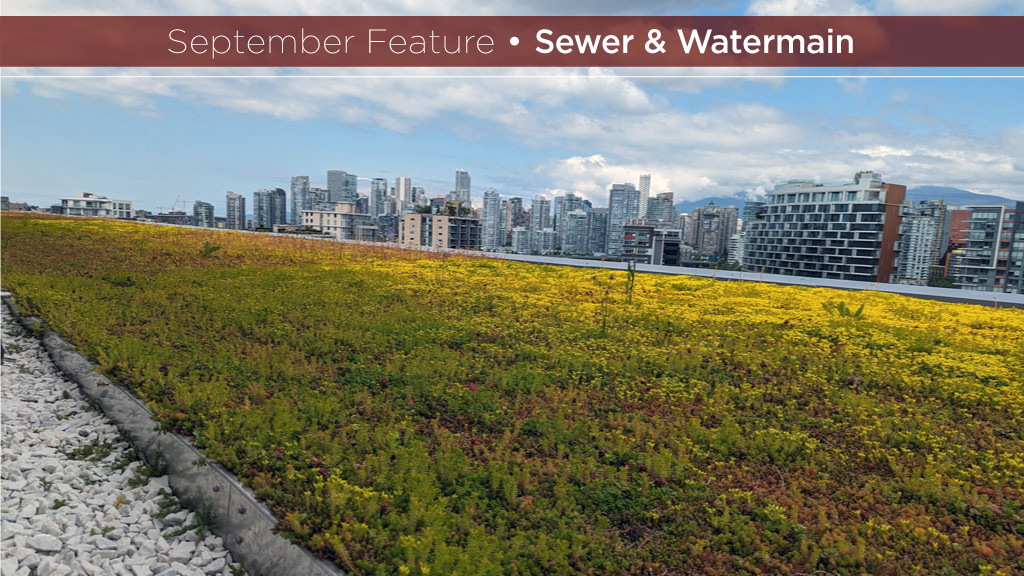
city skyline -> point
(368, 188)
(370, 196)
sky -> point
(158, 141)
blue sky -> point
(154, 139)
(197, 153)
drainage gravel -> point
(76, 500)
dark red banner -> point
(441, 41)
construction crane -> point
(184, 204)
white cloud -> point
(611, 128)
(946, 7)
(725, 172)
(696, 80)
(806, 8)
(853, 85)
(561, 105)
(883, 152)
(881, 7)
(983, 165)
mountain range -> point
(956, 196)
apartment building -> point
(925, 239)
(992, 257)
(342, 222)
(651, 245)
(440, 231)
(847, 231)
(94, 205)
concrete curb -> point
(245, 524)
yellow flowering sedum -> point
(412, 413)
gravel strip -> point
(76, 499)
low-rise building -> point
(175, 217)
(651, 245)
(6, 204)
(94, 205)
(387, 228)
(342, 222)
(440, 231)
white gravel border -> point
(75, 499)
